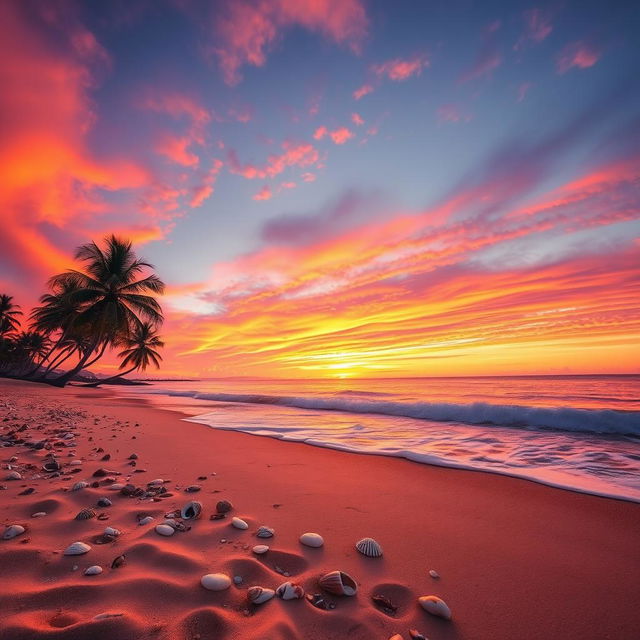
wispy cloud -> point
(579, 55)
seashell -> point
(258, 595)
(39, 514)
(12, 531)
(239, 523)
(165, 530)
(224, 506)
(290, 591)
(259, 549)
(117, 486)
(118, 562)
(93, 571)
(51, 465)
(318, 601)
(146, 520)
(265, 532)
(338, 583)
(369, 547)
(434, 574)
(215, 581)
(416, 635)
(104, 502)
(158, 482)
(384, 604)
(13, 475)
(111, 531)
(194, 488)
(75, 463)
(191, 510)
(77, 549)
(435, 606)
(311, 539)
(396, 636)
(13, 459)
(79, 485)
(85, 514)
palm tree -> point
(29, 346)
(140, 351)
(8, 314)
(112, 295)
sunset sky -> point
(338, 188)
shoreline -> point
(506, 548)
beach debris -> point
(165, 530)
(435, 606)
(27, 492)
(434, 574)
(265, 532)
(105, 457)
(338, 583)
(416, 635)
(239, 523)
(77, 549)
(85, 514)
(224, 506)
(215, 581)
(102, 472)
(258, 595)
(194, 488)
(311, 539)
(103, 516)
(369, 547)
(131, 490)
(13, 475)
(259, 549)
(290, 591)
(51, 465)
(146, 520)
(104, 502)
(133, 456)
(79, 485)
(112, 531)
(384, 604)
(94, 570)
(318, 601)
(118, 562)
(191, 510)
(12, 531)
(39, 514)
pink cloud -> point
(299, 155)
(309, 177)
(176, 149)
(204, 190)
(523, 89)
(287, 185)
(246, 31)
(399, 70)
(577, 54)
(357, 119)
(341, 135)
(263, 194)
(537, 27)
(452, 113)
(362, 91)
(320, 133)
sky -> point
(337, 188)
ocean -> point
(575, 432)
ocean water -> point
(575, 432)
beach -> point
(515, 559)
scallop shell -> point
(224, 506)
(265, 532)
(165, 530)
(79, 485)
(435, 606)
(77, 549)
(215, 581)
(85, 514)
(311, 539)
(338, 583)
(239, 523)
(290, 591)
(13, 475)
(191, 510)
(258, 595)
(12, 531)
(369, 547)
(93, 571)
(259, 549)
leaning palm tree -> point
(140, 351)
(9, 313)
(113, 295)
(30, 345)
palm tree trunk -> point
(112, 378)
(104, 348)
(47, 355)
(63, 356)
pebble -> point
(146, 520)
(311, 540)
(259, 549)
(165, 530)
(434, 574)
(39, 514)
(239, 523)
(237, 579)
(215, 581)
(93, 571)
(13, 531)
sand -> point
(517, 560)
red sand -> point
(517, 560)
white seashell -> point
(39, 514)
(215, 581)
(259, 549)
(77, 549)
(435, 606)
(12, 531)
(165, 530)
(191, 510)
(434, 574)
(79, 485)
(290, 591)
(93, 571)
(116, 486)
(13, 475)
(111, 531)
(338, 583)
(265, 532)
(258, 595)
(239, 523)
(146, 520)
(311, 539)
(369, 547)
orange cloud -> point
(579, 55)
(205, 189)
